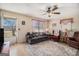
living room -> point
(45, 19)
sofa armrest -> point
(71, 38)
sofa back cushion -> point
(76, 35)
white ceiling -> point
(35, 9)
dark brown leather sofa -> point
(33, 38)
(74, 41)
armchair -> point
(74, 41)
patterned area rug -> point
(50, 48)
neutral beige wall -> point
(23, 28)
(46, 25)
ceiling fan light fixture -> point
(49, 15)
(51, 10)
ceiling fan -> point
(51, 10)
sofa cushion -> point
(76, 36)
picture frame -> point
(23, 22)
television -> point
(1, 38)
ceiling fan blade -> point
(56, 13)
(55, 8)
(44, 13)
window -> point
(37, 26)
(66, 24)
(9, 25)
